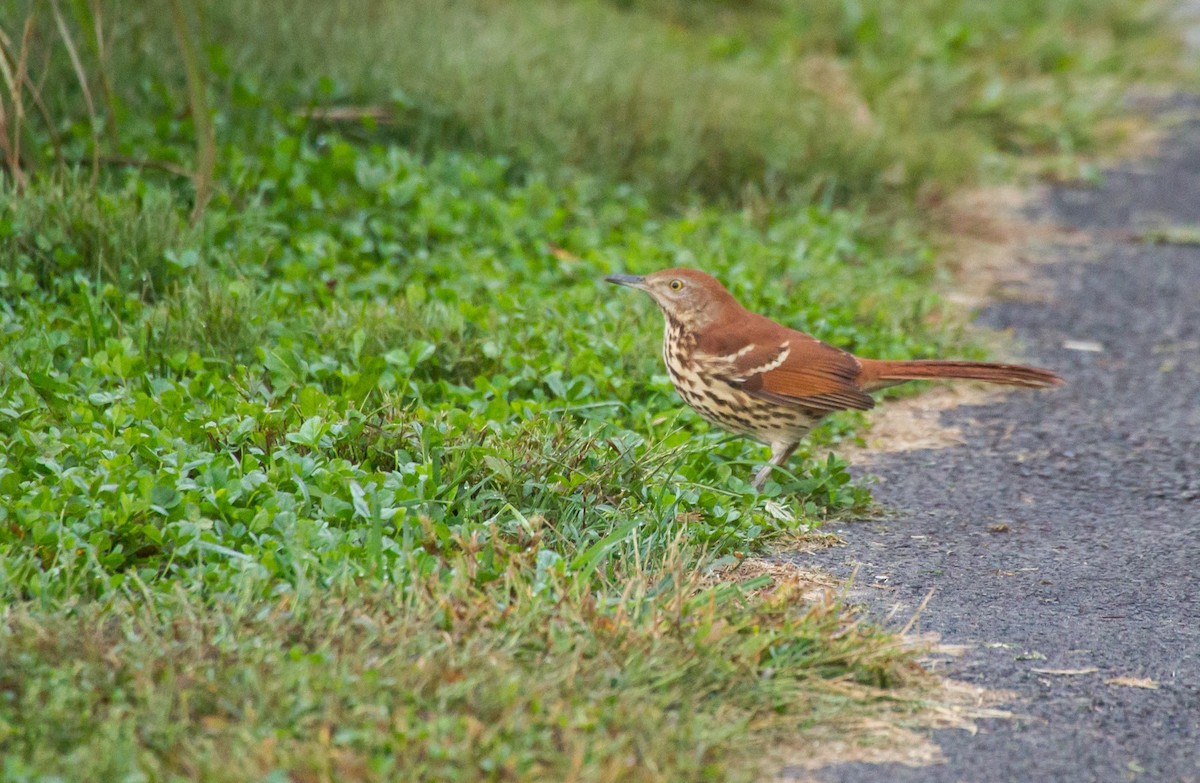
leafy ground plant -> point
(388, 392)
(388, 342)
(383, 394)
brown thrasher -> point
(746, 373)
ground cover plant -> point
(312, 405)
(337, 461)
(845, 101)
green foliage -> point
(840, 99)
(361, 354)
(433, 684)
(366, 376)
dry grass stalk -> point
(206, 144)
(81, 76)
(103, 70)
(14, 75)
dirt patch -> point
(992, 248)
(950, 704)
(992, 244)
(915, 423)
(810, 585)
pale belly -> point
(732, 409)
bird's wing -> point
(787, 367)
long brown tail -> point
(877, 373)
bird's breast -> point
(698, 380)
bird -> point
(757, 378)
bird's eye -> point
(676, 285)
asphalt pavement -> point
(1064, 535)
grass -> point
(350, 467)
(432, 683)
(846, 101)
(224, 440)
(834, 100)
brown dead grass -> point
(950, 704)
(992, 246)
(900, 737)
(1132, 682)
(810, 585)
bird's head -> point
(686, 296)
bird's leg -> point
(780, 452)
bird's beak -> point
(633, 281)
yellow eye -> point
(676, 285)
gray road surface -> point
(1065, 534)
